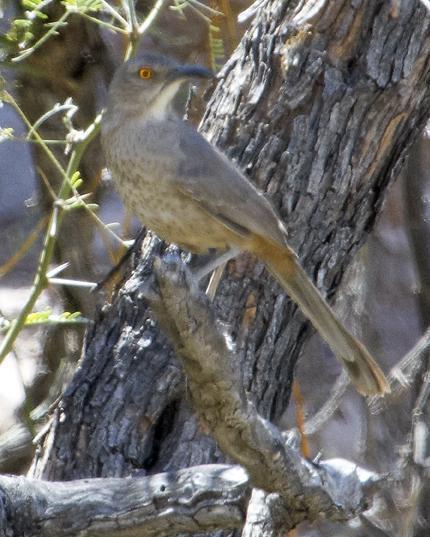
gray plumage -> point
(188, 193)
(145, 141)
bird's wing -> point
(206, 175)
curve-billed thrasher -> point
(190, 194)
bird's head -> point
(148, 83)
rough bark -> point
(191, 501)
(312, 105)
(318, 104)
(206, 497)
(229, 416)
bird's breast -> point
(144, 162)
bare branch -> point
(15, 447)
(309, 490)
(404, 374)
(198, 499)
(266, 515)
(314, 424)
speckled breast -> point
(144, 164)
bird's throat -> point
(160, 107)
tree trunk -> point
(318, 105)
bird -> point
(189, 193)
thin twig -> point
(133, 25)
(52, 31)
(72, 283)
(40, 281)
(10, 100)
(24, 248)
(105, 24)
(114, 13)
(403, 374)
(314, 424)
(153, 14)
(56, 109)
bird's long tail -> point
(364, 372)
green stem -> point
(52, 31)
(9, 99)
(133, 24)
(137, 30)
(40, 281)
(38, 286)
(152, 15)
(76, 156)
(105, 24)
(114, 13)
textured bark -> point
(314, 107)
(192, 501)
(205, 497)
(318, 105)
(229, 416)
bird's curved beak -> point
(184, 72)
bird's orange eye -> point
(145, 73)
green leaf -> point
(38, 317)
(83, 6)
(20, 32)
(76, 180)
(31, 4)
(46, 317)
(6, 133)
(2, 90)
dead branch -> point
(403, 374)
(195, 500)
(335, 489)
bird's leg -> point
(213, 261)
(121, 263)
(214, 281)
(114, 270)
(215, 264)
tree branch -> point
(334, 489)
(15, 447)
(198, 499)
(403, 374)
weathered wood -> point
(207, 497)
(318, 106)
(307, 490)
(190, 501)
